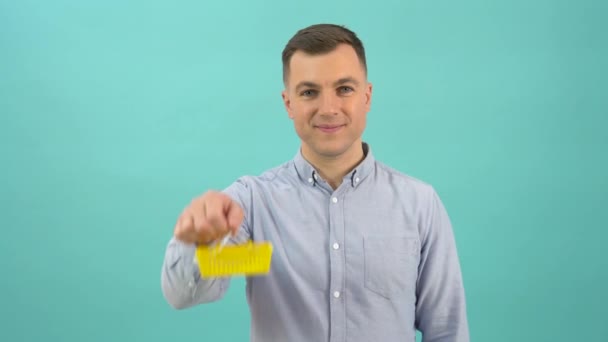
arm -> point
(441, 306)
(181, 282)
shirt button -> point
(309, 180)
(334, 199)
(336, 245)
(357, 180)
(337, 294)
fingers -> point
(235, 217)
(216, 216)
(208, 218)
(202, 231)
(184, 228)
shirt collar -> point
(308, 174)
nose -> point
(329, 104)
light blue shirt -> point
(372, 261)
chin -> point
(331, 150)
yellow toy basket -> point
(232, 260)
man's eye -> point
(308, 93)
(346, 90)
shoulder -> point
(419, 196)
(401, 180)
(270, 177)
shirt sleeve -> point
(441, 307)
(181, 282)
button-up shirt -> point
(373, 260)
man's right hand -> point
(209, 217)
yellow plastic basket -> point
(231, 260)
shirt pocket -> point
(391, 264)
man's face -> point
(328, 97)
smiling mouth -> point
(329, 128)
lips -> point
(329, 128)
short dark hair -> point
(319, 39)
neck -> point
(334, 168)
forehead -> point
(328, 67)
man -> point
(362, 252)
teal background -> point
(114, 114)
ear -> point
(287, 103)
(368, 96)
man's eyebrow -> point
(345, 80)
(306, 84)
(342, 81)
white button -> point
(309, 180)
(334, 199)
(336, 245)
(357, 180)
(190, 283)
(337, 294)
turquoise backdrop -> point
(114, 114)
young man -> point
(362, 252)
